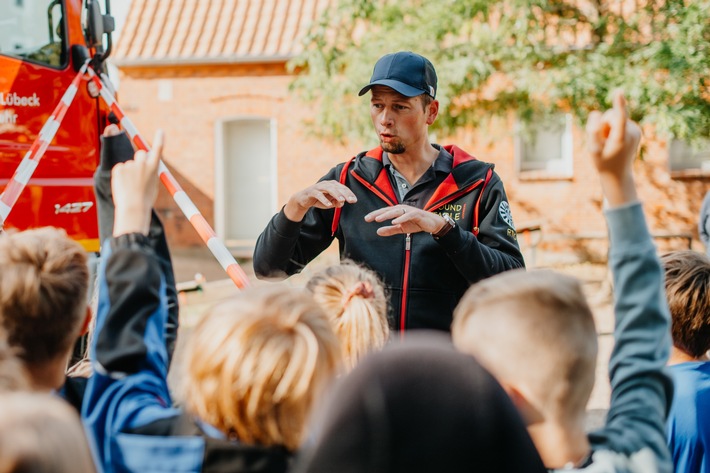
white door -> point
(247, 179)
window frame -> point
(562, 168)
(689, 172)
(65, 45)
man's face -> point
(400, 122)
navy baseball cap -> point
(406, 72)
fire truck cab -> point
(43, 43)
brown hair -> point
(12, 374)
(688, 294)
(43, 289)
(426, 100)
(256, 363)
(355, 301)
(532, 327)
(41, 434)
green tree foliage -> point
(533, 58)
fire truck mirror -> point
(94, 25)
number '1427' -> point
(73, 208)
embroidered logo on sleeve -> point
(505, 214)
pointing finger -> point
(618, 120)
(156, 152)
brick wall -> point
(203, 95)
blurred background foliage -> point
(532, 59)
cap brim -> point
(401, 87)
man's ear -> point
(525, 403)
(87, 322)
(432, 112)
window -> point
(33, 30)
(682, 157)
(545, 150)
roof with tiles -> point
(174, 32)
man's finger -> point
(374, 214)
(389, 230)
(391, 214)
(320, 197)
(340, 191)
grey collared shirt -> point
(419, 193)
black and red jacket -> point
(424, 277)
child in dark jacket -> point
(255, 364)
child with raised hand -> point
(355, 301)
(255, 364)
(535, 332)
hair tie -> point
(363, 288)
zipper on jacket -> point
(405, 284)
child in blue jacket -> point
(254, 364)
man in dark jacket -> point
(444, 213)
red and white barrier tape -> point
(29, 163)
(215, 245)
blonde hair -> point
(255, 364)
(355, 301)
(533, 328)
(41, 434)
(43, 288)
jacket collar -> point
(465, 171)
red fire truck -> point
(43, 43)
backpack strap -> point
(342, 179)
(476, 229)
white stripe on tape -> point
(129, 126)
(106, 82)
(49, 130)
(68, 97)
(25, 170)
(185, 204)
(108, 98)
(4, 211)
(221, 252)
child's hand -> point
(612, 141)
(134, 185)
(111, 130)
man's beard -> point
(393, 148)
